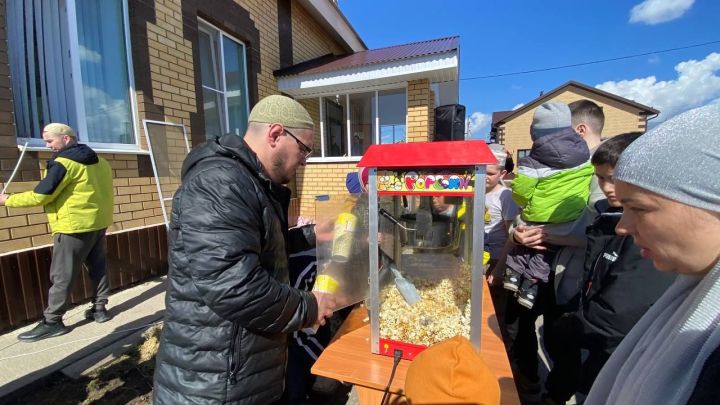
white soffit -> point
(436, 68)
(330, 17)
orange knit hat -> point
(451, 372)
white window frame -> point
(376, 119)
(225, 116)
(37, 144)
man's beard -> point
(277, 169)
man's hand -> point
(3, 198)
(326, 305)
(324, 231)
(530, 236)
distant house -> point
(512, 128)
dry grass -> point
(125, 380)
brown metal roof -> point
(500, 115)
(329, 63)
(502, 118)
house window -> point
(353, 122)
(334, 137)
(521, 153)
(392, 109)
(362, 130)
(224, 82)
(69, 63)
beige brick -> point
(132, 223)
(15, 244)
(122, 199)
(31, 230)
(37, 219)
(13, 222)
(42, 240)
(123, 216)
(25, 210)
(138, 181)
(130, 207)
(120, 182)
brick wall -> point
(420, 101)
(171, 70)
(310, 40)
(167, 89)
(619, 118)
(136, 205)
(321, 178)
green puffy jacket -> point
(77, 192)
(553, 182)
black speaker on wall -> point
(450, 122)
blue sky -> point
(499, 37)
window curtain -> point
(104, 71)
(39, 65)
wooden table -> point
(348, 358)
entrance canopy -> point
(436, 60)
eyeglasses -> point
(306, 149)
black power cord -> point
(397, 355)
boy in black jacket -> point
(618, 288)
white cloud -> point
(659, 11)
(89, 55)
(518, 106)
(108, 119)
(697, 84)
(654, 59)
(478, 125)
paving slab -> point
(88, 344)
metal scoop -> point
(407, 289)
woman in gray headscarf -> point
(668, 182)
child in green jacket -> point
(552, 187)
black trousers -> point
(520, 338)
(70, 251)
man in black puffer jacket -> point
(229, 306)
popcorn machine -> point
(426, 204)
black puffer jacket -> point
(228, 303)
(619, 286)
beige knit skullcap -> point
(281, 110)
(59, 129)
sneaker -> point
(97, 313)
(512, 280)
(527, 293)
(44, 330)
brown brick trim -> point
(285, 38)
(142, 12)
(233, 19)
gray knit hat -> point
(550, 118)
(680, 159)
(282, 110)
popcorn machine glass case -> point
(424, 202)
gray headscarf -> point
(680, 159)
